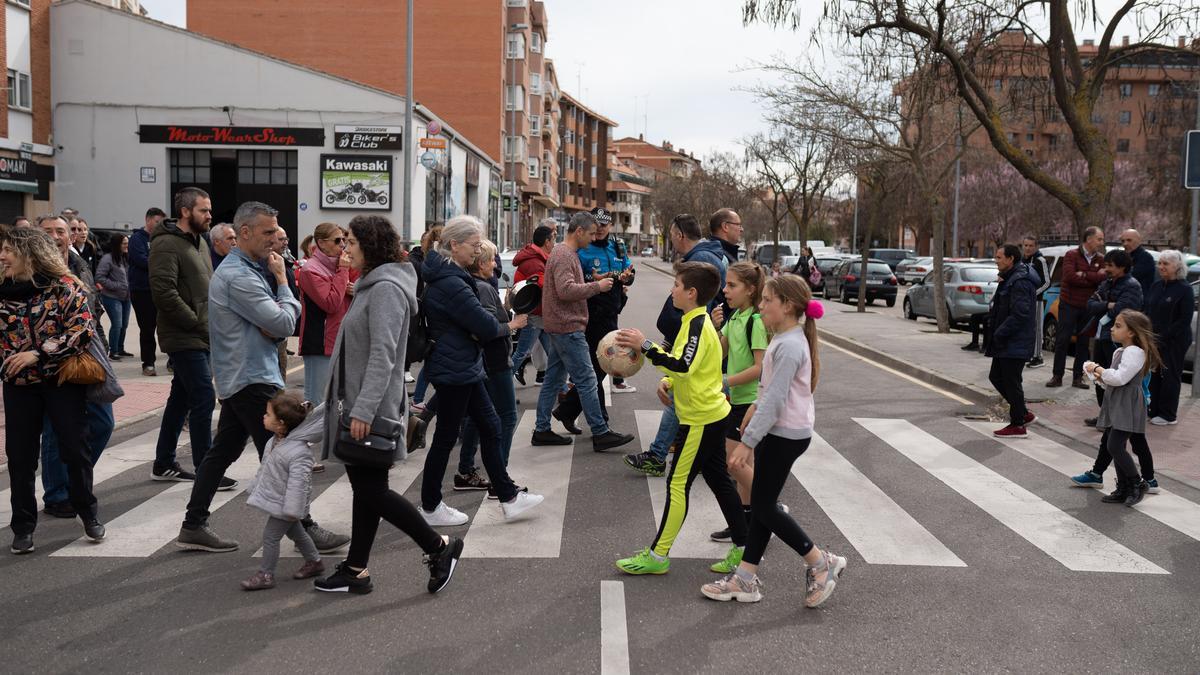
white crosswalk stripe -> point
(546, 470)
(1066, 539)
(1167, 508)
(703, 515)
(880, 530)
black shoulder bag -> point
(383, 445)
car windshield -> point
(878, 268)
(979, 274)
(826, 264)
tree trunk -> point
(937, 222)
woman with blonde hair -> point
(45, 319)
(324, 298)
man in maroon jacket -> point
(1083, 270)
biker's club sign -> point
(359, 182)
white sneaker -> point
(1162, 422)
(623, 388)
(444, 516)
(522, 503)
(409, 379)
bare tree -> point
(963, 36)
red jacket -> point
(324, 302)
(529, 261)
(1076, 289)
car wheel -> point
(891, 302)
(1049, 333)
(908, 311)
(871, 301)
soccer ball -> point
(618, 361)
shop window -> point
(192, 167)
(1123, 145)
(19, 96)
(267, 167)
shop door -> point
(269, 176)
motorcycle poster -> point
(360, 182)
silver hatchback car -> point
(969, 289)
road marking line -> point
(116, 460)
(703, 513)
(614, 636)
(547, 471)
(881, 531)
(893, 371)
(1166, 507)
(1067, 540)
(154, 523)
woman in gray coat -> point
(373, 336)
(112, 281)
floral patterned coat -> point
(48, 316)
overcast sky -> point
(671, 69)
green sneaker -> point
(731, 561)
(644, 563)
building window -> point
(260, 167)
(593, 172)
(535, 43)
(998, 86)
(18, 90)
(595, 147)
(1152, 117)
(595, 126)
(570, 162)
(1126, 117)
(193, 167)
(514, 148)
(570, 136)
(535, 124)
(1097, 118)
(535, 84)
(1052, 140)
(1122, 145)
(22, 3)
(533, 168)
(1153, 89)
(516, 45)
(515, 99)
(1126, 90)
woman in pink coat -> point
(325, 292)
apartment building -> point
(659, 160)
(26, 156)
(583, 155)
(627, 192)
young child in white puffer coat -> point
(283, 486)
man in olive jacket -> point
(180, 269)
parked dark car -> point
(843, 283)
(891, 256)
(826, 265)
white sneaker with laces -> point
(444, 516)
(1162, 422)
(623, 388)
(522, 503)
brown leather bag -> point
(83, 368)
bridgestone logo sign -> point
(335, 164)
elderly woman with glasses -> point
(325, 294)
(1170, 303)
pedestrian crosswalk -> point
(871, 508)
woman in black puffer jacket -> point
(459, 325)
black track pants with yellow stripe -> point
(701, 450)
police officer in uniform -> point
(605, 257)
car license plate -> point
(874, 282)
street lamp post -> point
(406, 222)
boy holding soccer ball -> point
(693, 374)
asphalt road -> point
(965, 555)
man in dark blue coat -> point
(1013, 335)
(139, 288)
(1142, 265)
(1121, 291)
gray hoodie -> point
(283, 485)
(374, 334)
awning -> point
(18, 186)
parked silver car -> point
(969, 289)
(912, 269)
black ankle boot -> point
(1119, 495)
(1137, 492)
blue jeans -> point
(118, 315)
(529, 333)
(504, 400)
(316, 378)
(100, 424)
(668, 429)
(193, 398)
(422, 385)
(569, 353)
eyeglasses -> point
(733, 222)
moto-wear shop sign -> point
(361, 182)
(367, 138)
(280, 137)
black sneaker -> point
(173, 473)
(1090, 422)
(1035, 363)
(345, 580)
(550, 438)
(416, 432)
(722, 535)
(970, 346)
(226, 484)
(22, 544)
(93, 530)
(646, 463)
(569, 425)
(59, 510)
(519, 373)
(609, 440)
(442, 564)
(470, 481)
(204, 539)
(541, 377)
(1136, 493)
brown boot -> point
(1055, 381)
(1079, 383)
(309, 569)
